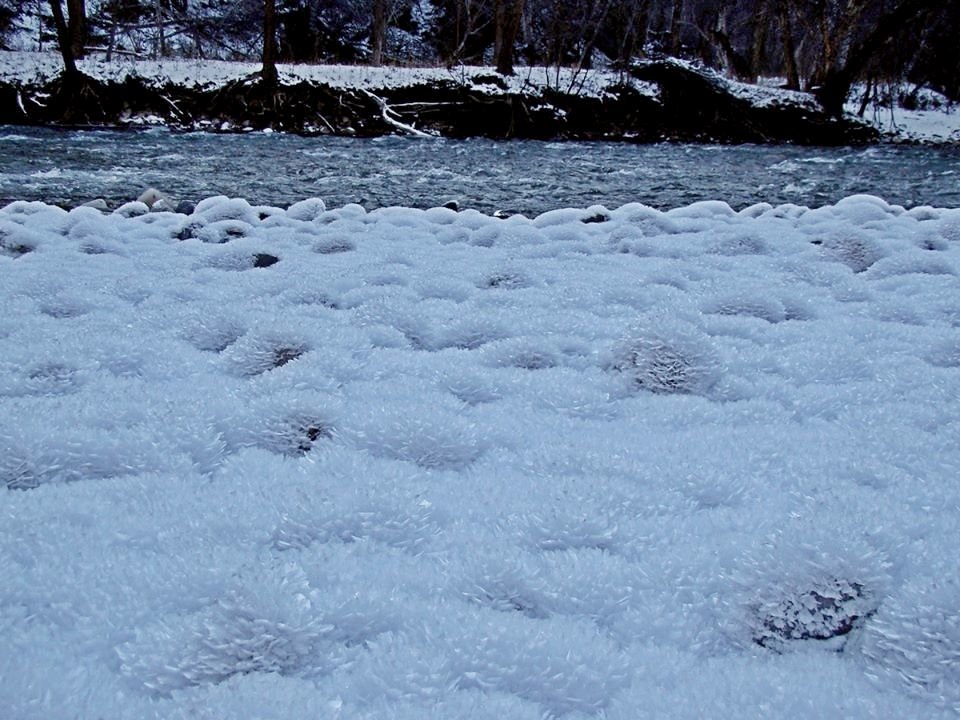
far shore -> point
(654, 101)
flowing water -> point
(69, 167)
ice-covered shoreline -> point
(617, 463)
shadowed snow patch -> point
(440, 440)
(740, 244)
(334, 244)
(666, 360)
(237, 260)
(523, 353)
(296, 434)
(856, 252)
(255, 354)
(558, 532)
(212, 333)
(271, 623)
(747, 304)
(408, 526)
(505, 280)
(914, 639)
(508, 583)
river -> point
(68, 167)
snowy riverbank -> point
(427, 464)
(664, 100)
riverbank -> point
(665, 100)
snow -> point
(37, 67)
(616, 463)
(925, 126)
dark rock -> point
(185, 207)
(264, 260)
(285, 354)
(308, 433)
(596, 218)
(14, 249)
(831, 609)
(189, 231)
(505, 281)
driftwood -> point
(391, 118)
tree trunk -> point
(825, 60)
(789, 50)
(39, 26)
(630, 39)
(759, 41)
(269, 71)
(160, 41)
(111, 41)
(378, 33)
(63, 39)
(835, 36)
(732, 61)
(77, 27)
(676, 15)
(507, 17)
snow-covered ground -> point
(925, 126)
(40, 67)
(310, 463)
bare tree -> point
(761, 29)
(674, 30)
(784, 12)
(628, 30)
(466, 30)
(269, 71)
(378, 31)
(71, 32)
(836, 22)
(721, 44)
(507, 17)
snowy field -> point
(621, 464)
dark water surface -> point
(69, 167)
